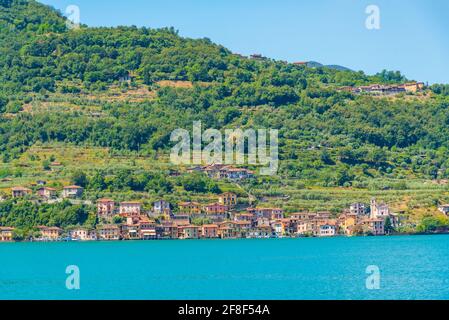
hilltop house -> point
(47, 193)
(19, 192)
(72, 192)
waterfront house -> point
(188, 232)
(47, 193)
(444, 208)
(72, 192)
(347, 223)
(304, 227)
(161, 207)
(50, 233)
(147, 229)
(374, 226)
(189, 208)
(108, 232)
(105, 208)
(327, 230)
(225, 232)
(228, 199)
(130, 231)
(6, 234)
(19, 192)
(277, 228)
(209, 231)
(81, 234)
(289, 226)
(130, 208)
(260, 232)
(167, 230)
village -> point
(129, 221)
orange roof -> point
(210, 226)
(47, 188)
(130, 202)
(72, 187)
(20, 189)
(105, 200)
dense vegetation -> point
(328, 137)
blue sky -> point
(413, 35)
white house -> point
(327, 230)
(72, 192)
(161, 207)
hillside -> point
(114, 95)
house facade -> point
(130, 208)
(19, 192)
(105, 208)
(6, 234)
(47, 193)
(161, 207)
(50, 233)
(72, 192)
(109, 232)
(209, 231)
(228, 199)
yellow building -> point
(347, 223)
(189, 207)
(6, 234)
(50, 233)
(228, 199)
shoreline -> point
(226, 239)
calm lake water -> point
(411, 267)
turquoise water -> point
(411, 267)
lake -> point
(411, 267)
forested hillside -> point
(70, 87)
